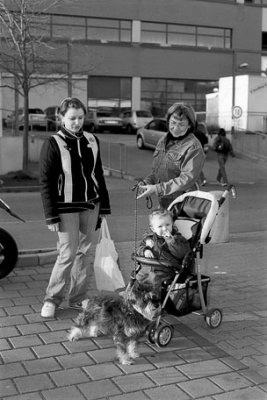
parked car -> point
(149, 135)
(102, 120)
(36, 118)
(52, 118)
(132, 119)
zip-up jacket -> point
(171, 249)
(71, 175)
(176, 166)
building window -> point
(91, 28)
(158, 95)
(109, 92)
(186, 35)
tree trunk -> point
(25, 159)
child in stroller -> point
(184, 288)
(163, 242)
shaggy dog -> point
(125, 318)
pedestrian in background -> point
(178, 158)
(204, 143)
(223, 148)
(74, 196)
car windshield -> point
(105, 114)
(143, 114)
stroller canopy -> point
(194, 208)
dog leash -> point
(149, 205)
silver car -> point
(36, 119)
(149, 135)
(134, 119)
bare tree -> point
(27, 51)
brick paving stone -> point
(194, 354)
(103, 355)
(54, 337)
(63, 393)
(243, 394)
(103, 371)
(98, 389)
(28, 396)
(130, 396)
(204, 368)
(9, 332)
(200, 388)
(71, 376)
(16, 355)
(165, 359)
(26, 300)
(34, 383)
(29, 329)
(233, 363)
(170, 392)
(75, 360)
(7, 388)
(25, 341)
(49, 350)
(11, 370)
(41, 366)
(166, 376)
(59, 325)
(11, 321)
(140, 364)
(230, 381)
(4, 345)
(129, 383)
(86, 345)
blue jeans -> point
(76, 231)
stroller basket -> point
(184, 298)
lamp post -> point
(234, 70)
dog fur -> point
(125, 318)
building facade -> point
(148, 54)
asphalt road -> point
(247, 212)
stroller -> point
(185, 289)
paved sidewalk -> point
(228, 363)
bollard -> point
(220, 230)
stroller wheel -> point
(151, 329)
(214, 318)
(163, 335)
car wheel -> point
(140, 142)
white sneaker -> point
(48, 310)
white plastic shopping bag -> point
(107, 273)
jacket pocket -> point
(60, 184)
(174, 157)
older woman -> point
(178, 158)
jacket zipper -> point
(82, 171)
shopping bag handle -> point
(104, 231)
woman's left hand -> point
(148, 190)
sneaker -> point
(77, 306)
(204, 182)
(224, 184)
(48, 310)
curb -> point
(36, 257)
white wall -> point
(11, 152)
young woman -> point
(74, 195)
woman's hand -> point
(53, 227)
(147, 190)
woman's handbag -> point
(107, 273)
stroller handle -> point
(230, 188)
